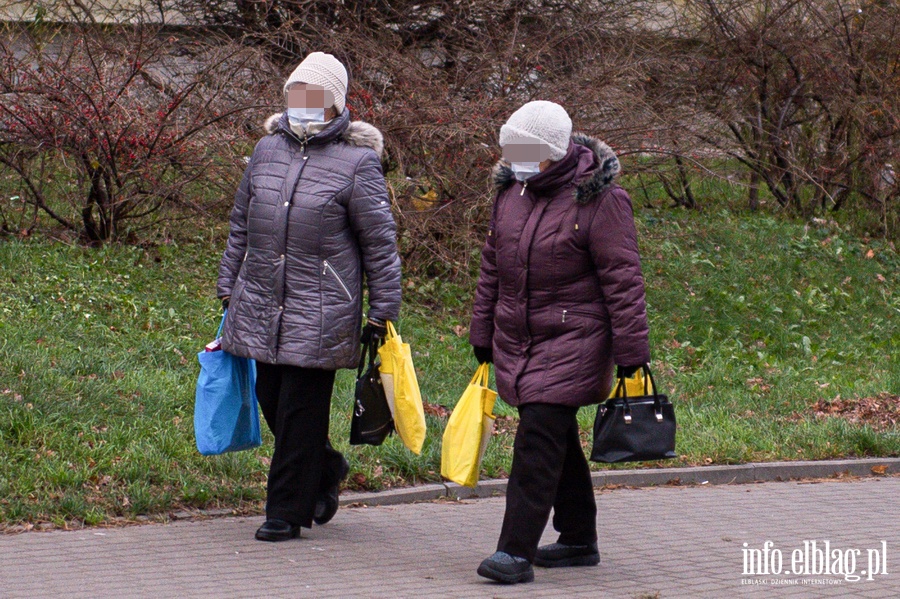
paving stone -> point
(677, 541)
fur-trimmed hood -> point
(357, 133)
(588, 189)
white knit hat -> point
(322, 69)
(542, 121)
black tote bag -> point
(634, 429)
(371, 422)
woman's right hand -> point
(484, 355)
(225, 302)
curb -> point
(702, 475)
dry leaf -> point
(880, 470)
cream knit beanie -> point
(541, 121)
(322, 69)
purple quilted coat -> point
(560, 297)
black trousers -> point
(296, 403)
(549, 470)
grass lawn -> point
(753, 321)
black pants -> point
(549, 470)
(296, 403)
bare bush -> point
(103, 128)
(801, 95)
(804, 93)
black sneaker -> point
(327, 502)
(558, 555)
(275, 530)
(506, 568)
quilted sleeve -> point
(236, 246)
(369, 210)
(481, 330)
(614, 248)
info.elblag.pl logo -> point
(814, 558)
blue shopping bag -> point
(226, 417)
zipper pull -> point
(564, 315)
(524, 185)
(325, 267)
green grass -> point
(753, 319)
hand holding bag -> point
(226, 417)
(634, 429)
(371, 422)
(409, 413)
(469, 430)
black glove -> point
(483, 354)
(225, 302)
(374, 329)
(627, 371)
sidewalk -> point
(654, 542)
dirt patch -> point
(881, 412)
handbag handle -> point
(371, 349)
(657, 402)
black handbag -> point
(634, 429)
(372, 421)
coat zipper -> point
(524, 185)
(340, 281)
(583, 313)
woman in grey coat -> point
(311, 219)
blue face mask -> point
(524, 170)
(303, 116)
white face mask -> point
(303, 116)
(524, 170)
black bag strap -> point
(657, 402)
(371, 349)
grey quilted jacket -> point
(310, 218)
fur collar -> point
(357, 133)
(588, 189)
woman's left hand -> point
(374, 329)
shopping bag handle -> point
(222, 324)
(482, 375)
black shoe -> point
(558, 555)
(506, 568)
(277, 530)
(327, 502)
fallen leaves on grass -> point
(435, 409)
(759, 384)
(505, 425)
(881, 412)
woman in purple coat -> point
(559, 302)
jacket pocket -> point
(568, 313)
(328, 268)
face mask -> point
(524, 170)
(303, 116)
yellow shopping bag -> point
(634, 385)
(398, 376)
(468, 431)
